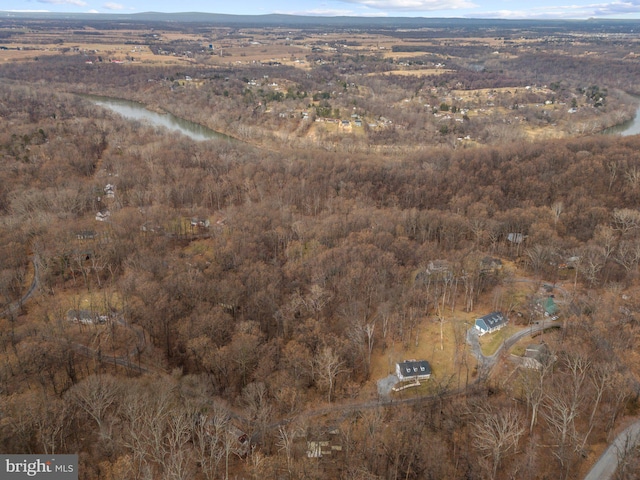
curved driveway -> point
(604, 468)
(486, 362)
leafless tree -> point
(285, 443)
(591, 262)
(178, 461)
(628, 254)
(328, 366)
(538, 256)
(50, 417)
(255, 395)
(532, 383)
(628, 458)
(557, 208)
(601, 376)
(606, 237)
(146, 410)
(627, 219)
(496, 434)
(209, 434)
(562, 405)
(632, 176)
(97, 395)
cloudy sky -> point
(542, 9)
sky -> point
(540, 9)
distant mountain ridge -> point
(283, 20)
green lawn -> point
(490, 342)
(518, 349)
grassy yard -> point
(518, 349)
(490, 342)
(446, 358)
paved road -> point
(486, 363)
(121, 361)
(124, 361)
(606, 466)
(16, 306)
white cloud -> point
(319, 12)
(93, 10)
(414, 5)
(615, 8)
(77, 3)
(113, 6)
(567, 11)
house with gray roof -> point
(490, 323)
(413, 370)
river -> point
(137, 111)
(630, 127)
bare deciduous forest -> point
(180, 309)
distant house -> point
(200, 222)
(438, 266)
(242, 444)
(109, 190)
(151, 227)
(103, 216)
(324, 443)
(535, 356)
(549, 306)
(436, 270)
(490, 265)
(571, 263)
(86, 235)
(490, 323)
(239, 441)
(87, 317)
(516, 238)
(413, 370)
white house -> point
(413, 370)
(490, 323)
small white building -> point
(103, 216)
(413, 370)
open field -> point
(524, 110)
(418, 72)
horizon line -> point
(296, 15)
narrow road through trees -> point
(607, 464)
(17, 305)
